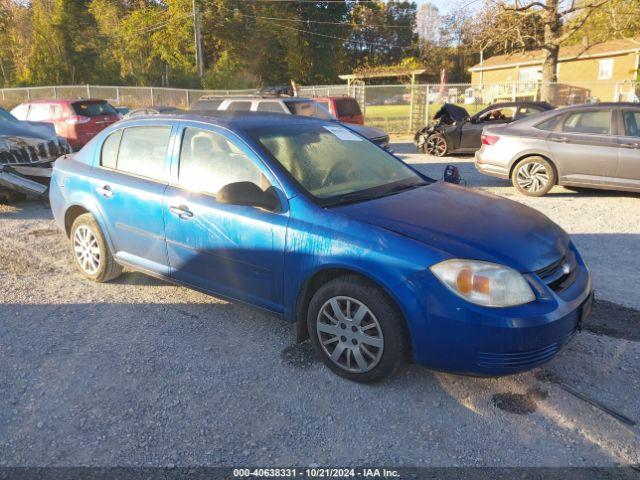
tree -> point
(556, 18)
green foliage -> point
(245, 44)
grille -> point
(31, 154)
(527, 358)
(561, 274)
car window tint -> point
(498, 114)
(93, 109)
(528, 110)
(593, 121)
(347, 107)
(142, 151)
(239, 106)
(206, 105)
(209, 161)
(308, 109)
(56, 111)
(548, 124)
(39, 112)
(631, 120)
(109, 155)
(270, 107)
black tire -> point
(539, 171)
(392, 329)
(108, 268)
(436, 145)
(9, 197)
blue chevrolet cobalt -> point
(374, 262)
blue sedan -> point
(373, 261)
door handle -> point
(105, 191)
(559, 139)
(181, 211)
(630, 145)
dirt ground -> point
(141, 372)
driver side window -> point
(498, 115)
(209, 161)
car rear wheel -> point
(357, 330)
(92, 257)
(437, 145)
(533, 176)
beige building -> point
(607, 72)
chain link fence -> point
(394, 108)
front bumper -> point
(483, 165)
(451, 334)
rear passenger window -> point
(39, 112)
(143, 150)
(270, 107)
(594, 122)
(239, 106)
(549, 124)
(110, 146)
(631, 121)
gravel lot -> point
(140, 372)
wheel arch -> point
(522, 157)
(318, 278)
(70, 215)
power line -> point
(300, 20)
(346, 40)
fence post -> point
(3, 95)
(88, 91)
(28, 94)
(427, 117)
(55, 93)
(151, 92)
(188, 99)
(513, 92)
(118, 95)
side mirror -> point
(249, 194)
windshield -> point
(6, 116)
(334, 164)
(309, 109)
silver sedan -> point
(593, 146)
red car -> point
(77, 120)
(345, 109)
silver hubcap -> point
(350, 334)
(436, 146)
(532, 177)
(87, 251)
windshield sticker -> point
(344, 134)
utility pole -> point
(198, 39)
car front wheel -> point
(89, 248)
(533, 176)
(357, 330)
(437, 145)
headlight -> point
(484, 283)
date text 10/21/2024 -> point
(318, 472)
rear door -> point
(584, 148)
(629, 148)
(129, 182)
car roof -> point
(519, 104)
(250, 98)
(65, 100)
(582, 106)
(231, 120)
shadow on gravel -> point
(613, 320)
(30, 209)
(520, 404)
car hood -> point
(467, 224)
(456, 113)
(368, 132)
(42, 131)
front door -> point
(471, 131)
(585, 150)
(233, 250)
(129, 184)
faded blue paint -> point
(264, 258)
